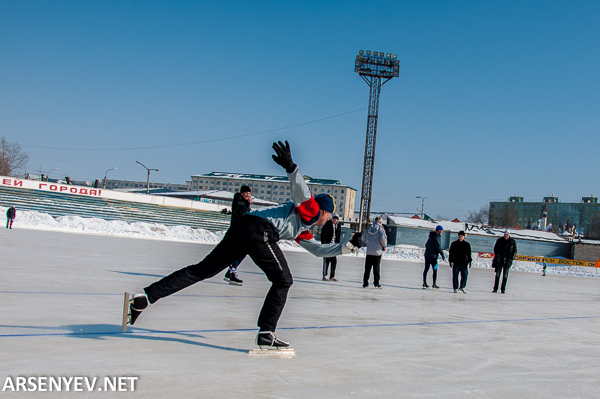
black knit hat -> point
(245, 189)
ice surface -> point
(61, 299)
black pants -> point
(504, 272)
(372, 261)
(430, 262)
(326, 262)
(251, 236)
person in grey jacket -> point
(376, 241)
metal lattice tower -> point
(373, 68)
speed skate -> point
(269, 344)
(133, 305)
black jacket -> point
(239, 207)
(11, 213)
(327, 232)
(504, 252)
(433, 247)
(460, 253)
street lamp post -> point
(48, 173)
(148, 181)
(104, 183)
(422, 206)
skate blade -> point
(272, 351)
(125, 320)
(234, 283)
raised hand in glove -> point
(356, 239)
(284, 156)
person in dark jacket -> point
(239, 207)
(505, 251)
(460, 260)
(11, 213)
(433, 248)
(330, 234)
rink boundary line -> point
(354, 298)
(155, 332)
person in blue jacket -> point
(256, 234)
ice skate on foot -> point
(268, 343)
(425, 286)
(435, 286)
(235, 280)
(133, 306)
(463, 290)
(227, 276)
(377, 287)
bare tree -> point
(481, 216)
(11, 157)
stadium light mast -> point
(373, 68)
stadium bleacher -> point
(62, 204)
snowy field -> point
(76, 224)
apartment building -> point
(277, 188)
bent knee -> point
(282, 281)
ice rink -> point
(61, 297)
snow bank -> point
(405, 253)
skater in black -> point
(239, 207)
(330, 234)
(460, 260)
(256, 234)
(433, 248)
(505, 252)
(11, 213)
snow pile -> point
(405, 253)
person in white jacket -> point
(256, 234)
(376, 241)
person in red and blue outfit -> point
(256, 234)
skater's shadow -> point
(103, 331)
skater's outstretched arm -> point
(304, 202)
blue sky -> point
(494, 98)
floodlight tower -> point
(372, 68)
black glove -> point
(356, 239)
(284, 156)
